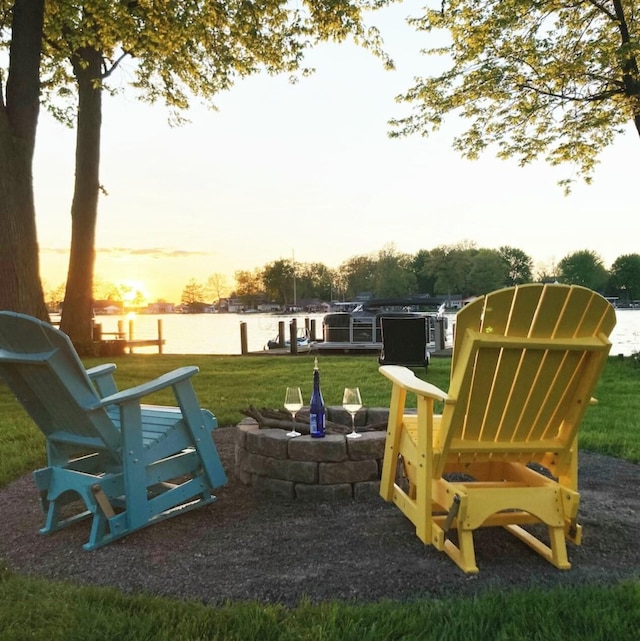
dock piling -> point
(160, 338)
(243, 339)
(293, 335)
(281, 338)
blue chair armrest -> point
(162, 382)
(106, 369)
(102, 378)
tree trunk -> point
(20, 285)
(630, 62)
(77, 311)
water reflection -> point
(220, 333)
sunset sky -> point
(307, 171)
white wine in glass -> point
(352, 402)
(293, 404)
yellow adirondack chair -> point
(525, 363)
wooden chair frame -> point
(130, 464)
(525, 364)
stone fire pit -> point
(308, 468)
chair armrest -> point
(106, 369)
(157, 384)
(405, 378)
(102, 377)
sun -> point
(133, 293)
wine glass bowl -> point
(352, 402)
(293, 404)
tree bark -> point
(77, 311)
(20, 285)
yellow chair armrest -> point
(406, 379)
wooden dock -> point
(317, 346)
(123, 341)
(293, 348)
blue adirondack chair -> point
(129, 463)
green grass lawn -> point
(37, 609)
(41, 611)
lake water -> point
(220, 333)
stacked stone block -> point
(307, 468)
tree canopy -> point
(625, 277)
(584, 267)
(551, 79)
(179, 49)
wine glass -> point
(293, 403)
(352, 402)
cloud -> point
(164, 253)
(54, 250)
(153, 252)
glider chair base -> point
(68, 496)
(459, 508)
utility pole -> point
(293, 257)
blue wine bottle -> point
(316, 406)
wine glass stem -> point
(353, 422)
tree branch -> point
(280, 419)
(602, 8)
(114, 65)
(603, 95)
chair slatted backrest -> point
(43, 370)
(526, 361)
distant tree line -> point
(461, 269)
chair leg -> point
(52, 521)
(556, 553)
(573, 532)
(52, 505)
(98, 535)
(392, 444)
(465, 555)
(559, 556)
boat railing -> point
(343, 327)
